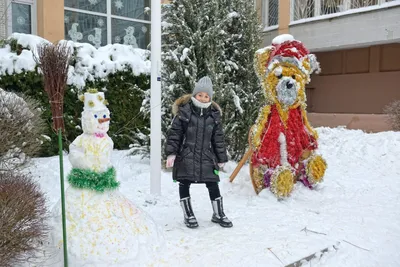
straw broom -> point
(53, 61)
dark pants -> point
(213, 189)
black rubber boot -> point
(219, 215)
(188, 214)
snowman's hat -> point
(93, 100)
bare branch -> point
(275, 255)
(356, 245)
(393, 111)
(23, 214)
(311, 231)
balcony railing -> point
(304, 9)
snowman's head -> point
(95, 115)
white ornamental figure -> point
(96, 38)
(104, 228)
(74, 34)
(129, 38)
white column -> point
(155, 99)
(109, 26)
(346, 5)
(292, 7)
(317, 8)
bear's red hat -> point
(286, 49)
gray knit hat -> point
(204, 85)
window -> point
(270, 12)
(21, 16)
(302, 9)
(102, 22)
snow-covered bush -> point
(21, 130)
(122, 71)
(393, 111)
(23, 213)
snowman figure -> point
(104, 228)
(129, 38)
(92, 149)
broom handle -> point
(240, 165)
(64, 223)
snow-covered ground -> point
(357, 205)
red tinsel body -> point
(297, 139)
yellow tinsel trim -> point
(81, 98)
(306, 65)
(282, 181)
(258, 179)
(260, 125)
(92, 90)
(261, 58)
(260, 62)
(316, 168)
(307, 123)
(91, 103)
(100, 98)
(105, 102)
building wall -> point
(359, 81)
(269, 36)
(3, 19)
(353, 30)
(50, 19)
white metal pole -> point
(155, 99)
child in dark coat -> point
(196, 149)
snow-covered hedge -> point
(122, 71)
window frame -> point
(32, 4)
(265, 16)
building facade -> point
(98, 22)
(358, 45)
(356, 41)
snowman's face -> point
(96, 121)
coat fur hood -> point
(183, 100)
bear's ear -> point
(311, 64)
(261, 59)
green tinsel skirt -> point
(87, 179)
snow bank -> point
(358, 202)
(91, 63)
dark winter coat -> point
(197, 139)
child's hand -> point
(221, 165)
(170, 161)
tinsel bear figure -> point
(283, 142)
